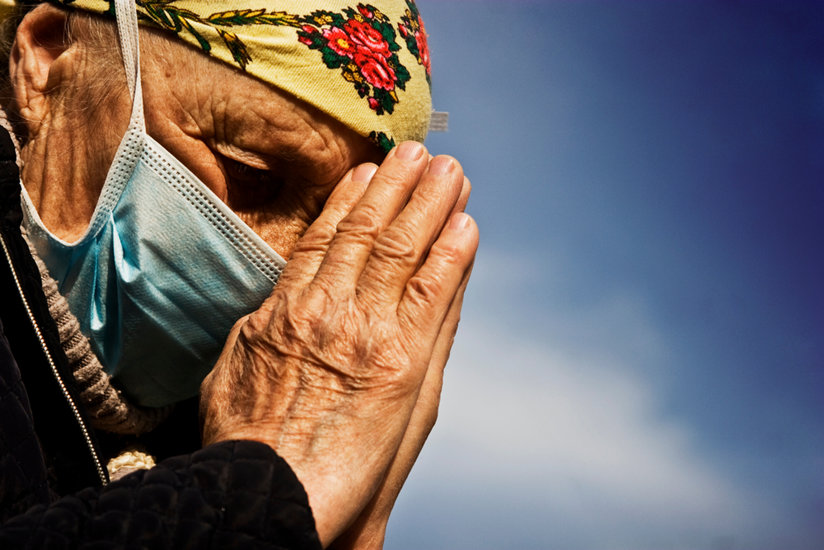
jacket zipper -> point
(83, 428)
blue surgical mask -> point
(165, 268)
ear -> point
(40, 40)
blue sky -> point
(640, 359)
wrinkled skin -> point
(340, 369)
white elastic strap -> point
(126, 14)
(439, 121)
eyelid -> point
(242, 156)
(243, 172)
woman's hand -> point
(369, 528)
(329, 369)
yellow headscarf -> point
(366, 65)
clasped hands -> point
(340, 369)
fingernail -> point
(441, 166)
(459, 221)
(409, 150)
(364, 172)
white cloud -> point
(572, 438)
(558, 416)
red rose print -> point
(423, 49)
(362, 43)
(375, 70)
(339, 41)
(366, 36)
(413, 32)
(309, 30)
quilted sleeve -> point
(236, 494)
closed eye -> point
(240, 173)
(249, 187)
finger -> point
(369, 529)
(463, 199)
(399, 250)
(425, 412)
(386, 195)
(429, 293)
(312, 246)
(446, 336)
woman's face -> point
(272, 159)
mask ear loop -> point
(127, 30)
(134, 141)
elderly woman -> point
(163, 186)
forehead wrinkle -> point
(334, 162)
(313, 139)
(206, 111)
(255, 120)
(179, 90)
(280, 128)
(246, 119)
(191, 121)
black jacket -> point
(54, 490)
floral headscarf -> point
(365, 64)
